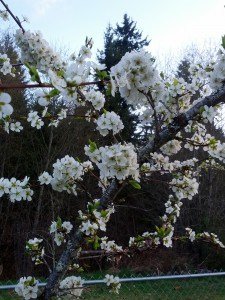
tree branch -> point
(15, 18)
(167, 134)
(39, 85)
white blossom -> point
(117, 161)
(60, 229)
(109, 121)
(5, 108)
(113, 282)
(74, 285)
(27, 288)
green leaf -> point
(160, 231)
(96, 204)
(96, 243)
(90, 207)
(175, 82)
(33, 73)
(108, 90)
(60, 73)
(92, 146)
(31, 282)
(102, 74)
(77, 158)
(59, 222)
(135, 184)
(104, 213)
(53, 93)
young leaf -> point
(135, 184)
(33, 73)
(93, 146)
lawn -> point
(211, 288)
(185, 289)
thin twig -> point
(40, 85)
(14, 65)
(15, 18)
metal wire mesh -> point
(189, 287)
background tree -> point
(117, 41)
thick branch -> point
(179, 123)
(164, 136)
(72, 248)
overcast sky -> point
(170, 24)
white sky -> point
(170, 24)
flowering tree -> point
(165, 103)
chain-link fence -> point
(207, 286)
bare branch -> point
(40, 85)
(15, 18)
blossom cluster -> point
(185, 186)
(172, 147)
(67, 82)
(72, 286)
(60, 230)
(36, 51)
(217, 75)
(35, 120)
(5, 65)
(64, 76)
(145, 240)
(191, 234)
(13, 126)
(136, 73)
(66, 173)
(27, 288)
(6, 109)
(4, 15)
(173, 206)
(54, 119)
(35, 249)
(212, 237)
(43, 97)
(109, 121)
(163, 164)
(207, 142)
(109, 246)
(113, 282)
(95, 219)
(62, 114)
(162, 236)
(116, 161)
(197, 139)
(15, 189)
(96, 98)
(141, 85)
(209, 113)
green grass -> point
(211, 288)
(185, 289)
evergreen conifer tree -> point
(117, 41)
